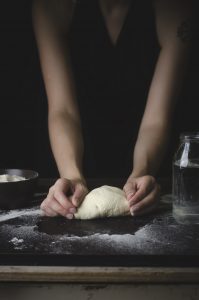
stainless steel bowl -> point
(17, 194)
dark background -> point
(23, 112)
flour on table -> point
(105, 201)
(16, 213)
(16, 241)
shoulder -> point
(172, 5)
(57, 12)
(174, 20)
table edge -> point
(99, 274)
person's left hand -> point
(142, 193)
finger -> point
(151, 200)
(145, 210)
(61, 188)
(51, 203)
(59, 209)
(130, 189)
(64, 201)
(142, 192)
(148, 203)
(63, 184)
(79, 194)
(47, 211)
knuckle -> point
(80, 191)
(127, 188)
(58, 182)
(51, 189)
(43, 205)
(62, 181)
(124, 187)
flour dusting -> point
(12, 214)
(23, 230)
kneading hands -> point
(65, 196)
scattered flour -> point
(156, 237)
(16, 241)
(12, 214)
(150, 239)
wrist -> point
(72, 173)
(141, 172)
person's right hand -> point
(64, 197)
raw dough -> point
(10, 178)
(105, 201)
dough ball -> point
(105, 201)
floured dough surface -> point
(10, 178)
(105, 201)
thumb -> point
(79, 194)
(130, 189)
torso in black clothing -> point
(112, 83)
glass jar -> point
(185, 186)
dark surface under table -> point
(27, 238)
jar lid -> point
(189, 136)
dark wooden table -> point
(152, 248)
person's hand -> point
(64, 197)
(142, 193)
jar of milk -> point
(185, 187)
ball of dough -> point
(105, 201)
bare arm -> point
(166, 84)
(52, 20)
(155, 127)
(51, 23)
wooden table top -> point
(152, 248)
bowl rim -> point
(4, 171)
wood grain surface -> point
(98, 274)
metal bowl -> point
(17, 194)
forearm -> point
(51, 24)
(156, 124)
(149, 150)
(67, 144)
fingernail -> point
(69, 216)
(134, 210)
(72, 210)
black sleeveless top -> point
(112, 83)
